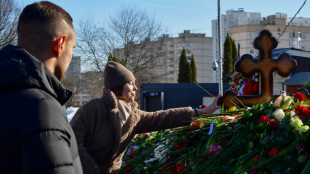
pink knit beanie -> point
(115, 74)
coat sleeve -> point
(81, 125)
(164, 119)
(46, 141)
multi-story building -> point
(295, 35)
(73, 73)
(230, 19)
(168, 50)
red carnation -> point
(194, 125)
(127, 169)
(273, 152)
(300, 146)
(274, 125)
(126, 160)
(224, 141)
(133, 154)
(138, 137)
(298, 110)
(180, 167)
(177, 146)
(264, 119)
(203, 106)
(145, 134)
(164, 169)
(256, 158)
(299, 96)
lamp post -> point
(219, 56)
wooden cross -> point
(265, 66)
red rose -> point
(273, 152)
(203, 106)
(145, 134)
(254, 171)
(264, 119)
(126, 160)
(180, 167)
(298, 110)
(164, 169)
(194, 125)
(256, 158)
(177, 146)
(224, 141)
(138, 137)
(133, 154)
(300, 146)
(299, 96)
(127, 169)
(305, 112)
(274, 125)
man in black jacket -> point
(34, 131)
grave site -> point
(261, 133)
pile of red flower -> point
(271, 137)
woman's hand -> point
(209, 109)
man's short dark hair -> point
(40, 19)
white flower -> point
(279, 114)
(159, 152)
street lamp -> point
(218, 62)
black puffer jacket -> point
(35, 134)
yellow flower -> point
(202, 124)
(303, 129)
(232, 109)
(296, 123)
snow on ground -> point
(70, 112)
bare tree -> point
(133, 30)
(128, 36)
(9, 12)
(91, 45)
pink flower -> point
(215, 149)
(229, 118)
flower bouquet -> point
(245, 86)
(271, 137)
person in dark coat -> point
(105, 126)
(35, 134)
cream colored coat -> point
(101, 138)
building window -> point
(189, 58)
(303, 35)
(290, 44)
(279, 29)
(291, 35)
(251, 51)
(252, 35)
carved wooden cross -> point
(265, 65)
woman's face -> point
(129, 92)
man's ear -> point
(59, 44)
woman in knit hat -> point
(105, 126)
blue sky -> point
(178, 15)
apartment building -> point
(232, 18)
(167, 51)
(297, 35)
